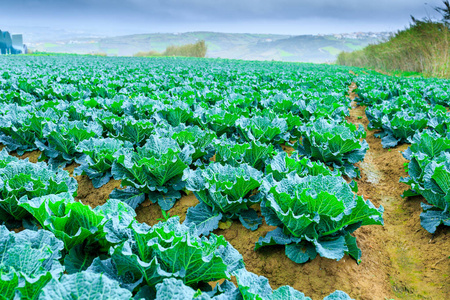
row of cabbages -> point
(229, 155)
(72, 251)
(215, 128)
(58, 128)
(177, 159)
(150, 156)
(312, 206)
(401, 107)
(429, 176)
(415, 111)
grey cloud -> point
(267, 9)
(203, 14)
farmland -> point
(159, 177)
(305, 48)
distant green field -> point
(303, 48)
(353, 46)
(332, 50)
(50, 45)
(285, 54)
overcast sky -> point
(294, 17)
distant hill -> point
(302, 48)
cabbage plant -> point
(218, 119)
(225, 192)
(398, 119)
(282, 164)
(86, 233)
(198, 138)
(327, 105)
(28, 261)
(84, 285)
(315, 215)
(263, 129)
(22, 127)
(98, 157)
(293, 121)
(336, 144)
(175, 113)
(233, 153)
(154, 169)
(62, 139)
(170, 249)
(134, 131)
(401, 128)
(428, 171)
(22, 181)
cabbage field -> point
(177, 178)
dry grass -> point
(189, 50)
(423, 48)
(147, 54)
(103, 54)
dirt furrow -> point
(416, 264)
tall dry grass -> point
(192, 50)
(147, 54)
(423, 47)
(189, 50)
